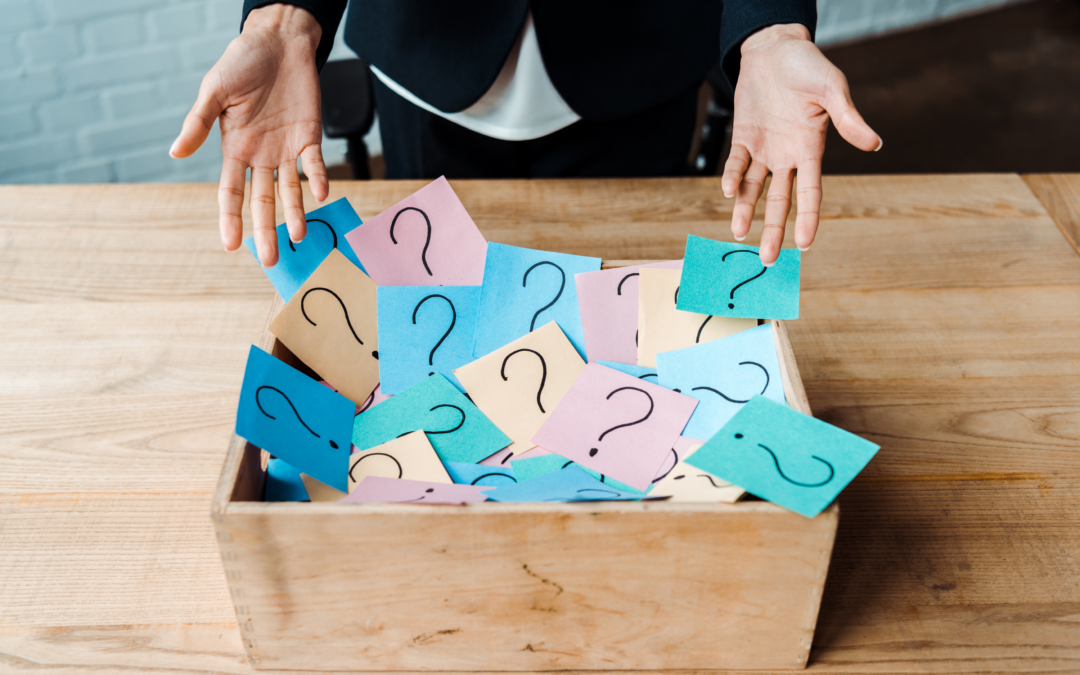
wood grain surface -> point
(1060, 194)
(940, 319)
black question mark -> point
(367, 404)
(263, 411)
(444, 431)
(618, 291)
(543, 375)
(453, 322)
(673, 465)
(344, 309)
(832, 471)
(723, 258)
(697, 340)
(400, 471)
(490, 475)
(735, 400)
(409, 501)
(562, 285)
(706, 477)
(316, 220)
(427, 242)
(652, 406)
(642, 377)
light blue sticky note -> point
(566, 485)
(723, 374)
(479, 474)
(293, 417)
(326, 230)
(283, 482)
(725, 279)
(640, 372)
(523, 290)
(456, 428)
(784, 456)
(424, 330)
(534, 467)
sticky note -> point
(662, 327)
(326, 230)
(425, 330)
(723, 375)
(374, 489)
(478, 474)
(517, 386)
(283, 482)
(319, 491)
(330, 324)
(410, 457)
(499, 458)
(784, 456)
(374, 399)
(608, 301)
(525, 289)
(456, 428)
(686, 483)
(640, 372)
(616, 424)
(426, 239)
(566, 485)
(534, 467)
(293, 417)
(725, 279)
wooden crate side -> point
(793, 386)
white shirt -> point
(521, 105)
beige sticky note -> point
(685, 483)
(410, 457)
(320, 492)
(662, 328)
(517, 386)
(331, 324)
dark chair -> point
(716, 129)
(348, 109)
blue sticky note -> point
(784, 456)
(479, 474)
(424, 330)
(523, 290)
(725, 279)
(640, 372)
(723, 374)
(456, 428)
(326, 230)
(566, 485)
(293, 417)
(283, 483)
(534, 467)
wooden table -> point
(941, 319)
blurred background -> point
(94, 91)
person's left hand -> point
(786, 94)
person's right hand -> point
(264, 92)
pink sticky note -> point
(616, 424)
(500, 458)
(373, 398)
(608, 301)
(426, 239)
(398, 491)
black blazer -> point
(607, 58)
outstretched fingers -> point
(292, 201)
(231, 203)
(777, 208)
(737, 163)
(262, 214)
(847, 120)
(748, 194)
(315, 170)
(808, 200)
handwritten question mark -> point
(706, 477)
(344, 309)
(400, 471)
(543, 375)
(697, 340)
(453, 322)
(316, 220)
(735, 400)
(618, 291)
(723, 258)
(832, 471)
(493, 475)
(295, 412)
(562, 285)
(427, 242)
(444, 431)
(652, 406)
(674, 463)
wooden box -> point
(644, 586)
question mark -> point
(706, 477)
(287, 400)
(832, 472)
(316, 220)
(493, 475)
(674, 463)
(562, 285)
(735, 400)
(344, 309)
(723, 258)
(453, 322)
(697, 340)
(618, 291)
(652, 406)
(427, 242)
(444, 431)
(543, 375)
(400, 471)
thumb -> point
(199, 121)
(852, 127)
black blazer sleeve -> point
(743, 17)
(327, 12)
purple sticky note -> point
(500, 458)
(426, 239)
(608, 301)
(398, 491)
(616, 424)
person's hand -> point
(264, 92)
(786, 93)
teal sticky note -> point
(640, 372)
(283, 482)
(534, 467)
(326, 230)
(566, 485)
(424, 330)
(523, 290)
(784, 456)
(479, 474)
(456, 428)
(725, 279)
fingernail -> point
(729, 196)
(879, 144)
(172, 148)
(769, 264)
(804, 248)
(737, 238)
(295, 241)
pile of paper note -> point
(435, 367)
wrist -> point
(774, 34)
(287, 22)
